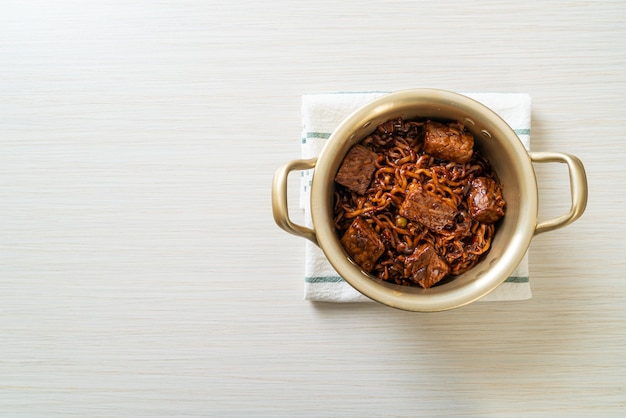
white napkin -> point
(321, 114)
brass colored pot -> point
(500, 145)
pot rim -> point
(360, 123)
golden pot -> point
(500, 145)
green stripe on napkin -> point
(337, 279)
(326, 135)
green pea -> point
(401, 222)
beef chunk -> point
(485, 200)
(363, 244)
(431, 211)
(425, 267)
(357, 169)
(463, 227)
(450, 142)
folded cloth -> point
(321, 114)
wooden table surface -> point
(142, 274)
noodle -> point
(401, 167)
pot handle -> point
(279, 199)
(578, 188)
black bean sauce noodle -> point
(401, 165)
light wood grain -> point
(141, 272)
